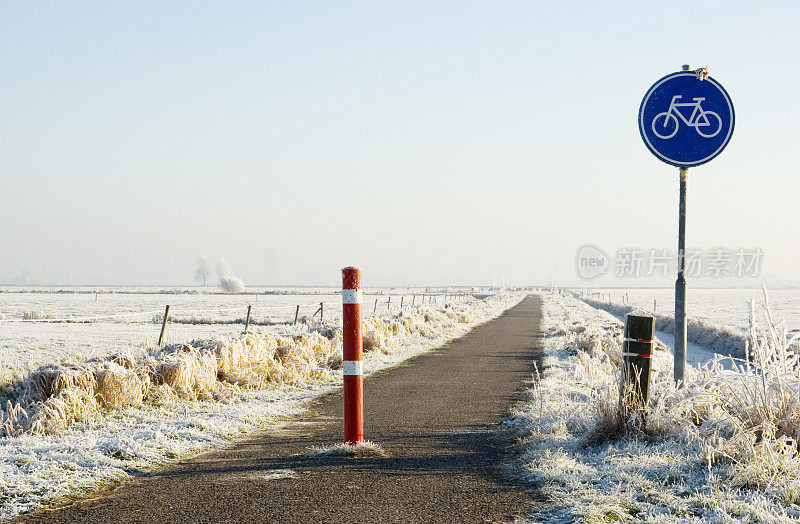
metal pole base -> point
(680, 330)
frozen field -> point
(105, 320)
(120, 318)
(69, 429)
(726, 307)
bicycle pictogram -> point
(665, 125)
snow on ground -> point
(721, 449)
(705, 336)
(696, 354)
(87, 322)
(37, 469)
(729, 307)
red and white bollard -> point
(352, 352)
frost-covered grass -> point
(71, 428)
(80, 323)
(719, 339)
(729, 307)
(364, 449)
(722, 448)
(37, 315)
(216, 320)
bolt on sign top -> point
(686, 118)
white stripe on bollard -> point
(352, 296)
(352, 367)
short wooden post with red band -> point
(352, 351)
(637, 353)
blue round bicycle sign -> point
(685, 121)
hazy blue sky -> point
(424, 141)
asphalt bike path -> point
(437, 417)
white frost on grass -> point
(179, 415)
(719, 339)
(277, 474)
(721, 449)
(363, 449)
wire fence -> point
(61, 333)
(270, 314)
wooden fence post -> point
(163, 325)
(247, 321)
(296, 313)
(637, 353)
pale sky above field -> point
(428, 142)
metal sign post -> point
(685, 119)
(680, 285)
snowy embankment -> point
(722, 448)
(69, 429)
(718, 339)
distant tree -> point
(228, 282)
(203, 270)
(29, 276)
(224, 268)
(231, 284)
